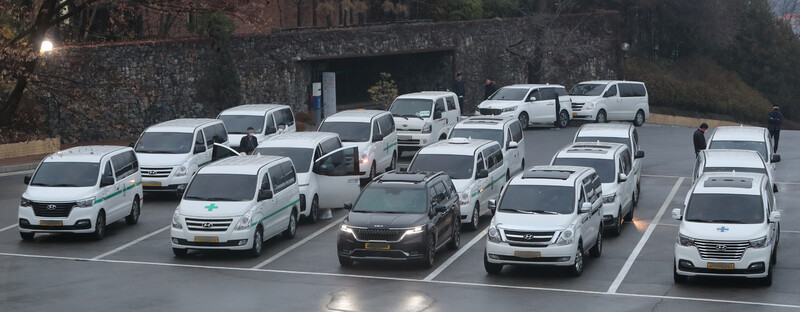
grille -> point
(389, 235)
(208, 225)
(60, 210)
(529, 238)
(490, 111)
(721, 250)
(156, 172)
(576, 107)
(407, 141)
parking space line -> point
(9, 227)
(662, 176)
(399, 279)
(118, 249)
(292, 247)
(643, 240)
(453, 258)
(15, 173)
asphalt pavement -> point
(133, 268)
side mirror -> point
(404, 169)
(271, 130)
(27, 180)
(623, 177)
(199, 148)
(774, 217)
(106, 181)
(775, 158)
(377, 137)
(181, 189)
(440, 208)
(513, 145)
(348, 206)
(482, 174)
(639, 154)
(533, 98)
(492, 205)
(676, 214)
(264, 195)
(586, 207)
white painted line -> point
(292, 247)
(663, 176)
(398, 279)
(643, 240)
(15, 173)
(118, 249)
(8, 227)
(455, 256)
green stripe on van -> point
(389, 146)
(276, 212)
(100, 200)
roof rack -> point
(547, 174)
(734, 182)
(413, 177)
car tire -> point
(491, 268)
(133, 218)
(476, 218)
(258, 243)
(677, 278)
(577, 267)
(629, 215)
(524, 120)
(291, 228)
(455, 240)
(601, 117)
(442, 137)
(313, 211)
(430, 253)
(393, 164)
(373, 172)
(638, 120)
(180, 252)
(767, 281)
(100, 226)
(616, 230)
(597, 249)
(27, 236)
(345, 261)
(563, 119)
(523, 167)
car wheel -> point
(258, 243)
(27, 236)
(345, 261)
(312, 212)
(291, 229)
(133, 218)
(639, 119)
(180, 252)
(523, 167)
(577, 268)
(601, 117)
(563, 119)
(372, 172)
(430, 253)
(455, 240)
(491, 268)
(617, 229)
(524, 120)
(629, 216)
(393, 164)
(597, 249)
(476, 216)
(100, 226)
(677, 278)
(767, 281)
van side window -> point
(265, 185)
(626, 161)
(548, 94)
(221, 135)
(509, 137)
(636, 139)
(637, 90)
(582, 198)
(561, 92)
(597, 185)
(289, 176)
(271, 128)
(386, 124)
(516, 131)
(288, 117)
(451, 103)
(439, 106)
(198, 140)
(123, 165)
(280, 118)
(625, 90)
(131, 157)
(440, 192)
(495, 158)
(480, 165)
(209, 132)
(276, 177)
(375, 129)
(612, 91)
(330, 145)
(107, 172)
(536, 94)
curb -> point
(17, 168)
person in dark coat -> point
(700, 138)
(489, 88)
(774, 126)
(458, 86)
(249, 142)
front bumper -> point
(610, 213)
(554, 255)
(584, 115)
(79, 220)
(414, 139)
(411, 247)
(168, 184)
(227, 240)
(754, 263)
(466, 210)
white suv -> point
(745, 138)
(617, 133)
(476, 167)
(236, 204)
(730, 226)
(80, 190)
(531, 104)
(613, 164)
(505, 130)
(373, 132)
(267, 120)
(720, 160)
(606, 100)
(548, 215)
(423, 118)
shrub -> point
(384, 91)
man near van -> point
(489, 88)
(774, 125)
(249, 142)
(700, 138)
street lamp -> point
(625, 48)
(47, 46)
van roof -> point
(298, 139)
(486, 122)
(730, 183)
(598, 150)
(739, 133)
(426, 95)
(456, 146)
(90, 153)
(531, 86)
(733, 158)
(616, 130)
(181, 125)
(252, 109)
(240, 164)
(550, 175)
(355, 115)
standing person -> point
(489, 88)
(774, 125)
(249, 142)
(700, 138)
(459, 88)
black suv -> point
(402, 216)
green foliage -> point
(219, 87)
(212, 24)
(384, 91)
(458, 10)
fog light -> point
(84, 222)
(24, 222)
(685, 263)
(562, 259)
(242, 242)
(424, 141)
(492, 256)
(175, 241)
(756, 266)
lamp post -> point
(625, 48)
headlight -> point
(464, 197)
(685, 241)
(182, 170)
(364, 158)
(589, 105)
(427, 128)
(759, 243)
(24, 202)
(494, 234)
(346, 228)
(509, 109)
(566, 237)
(246, 221)
(609, 198)
(86, 202)
(415, 230)
(176, 220)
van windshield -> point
(509, 94)
(482, 134)
(66, 174)
(604, 167)
(455, 166)
(725, 208)
(546, 199)
(222, 187)
(238, 124)
(392, 200)
(164, 143)
(757, 146)
(301, 157)
(348, 131)
(625, 141)
(587, 89)
(414, 108)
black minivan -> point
(402, 216)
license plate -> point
(720, 266)
(403, 137)
(574, 114)
(206, 239)
(528, 254)
(156, 184)
(382, 246)
(50, 223)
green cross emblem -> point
(211, 207)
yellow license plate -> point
(157, 184)
(720, 266)
(528, 254)
(206, 239)
(376, 246)
(574, 114)
(50, 223)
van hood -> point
(362, 146)
(528, 222)
(498, 104)
(461, 184)
(585, 99)
(58, 194)
(302, 178)
(722, 231)
(412, 124)
(609, 188)
(213, 209)
(161, 160)
(385, 220)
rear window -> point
(632, 90)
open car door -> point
(222, 152)
(338, 177)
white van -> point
(605, 100)
(505, 130)
(477, 168)
(171, 152)
(721, 160)
(730, 226)
(531, 104)
(622, 133)
(266, 119)
(81, 190)
(312, 154)
(373, 132)
(237, 204)
(745, 138)
(423, 118)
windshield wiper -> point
(64, 185)
(396, 115)
(156, 152)
(38, 184)
(406, 116)
(727, 221)
(518, 211)
(544, 212)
